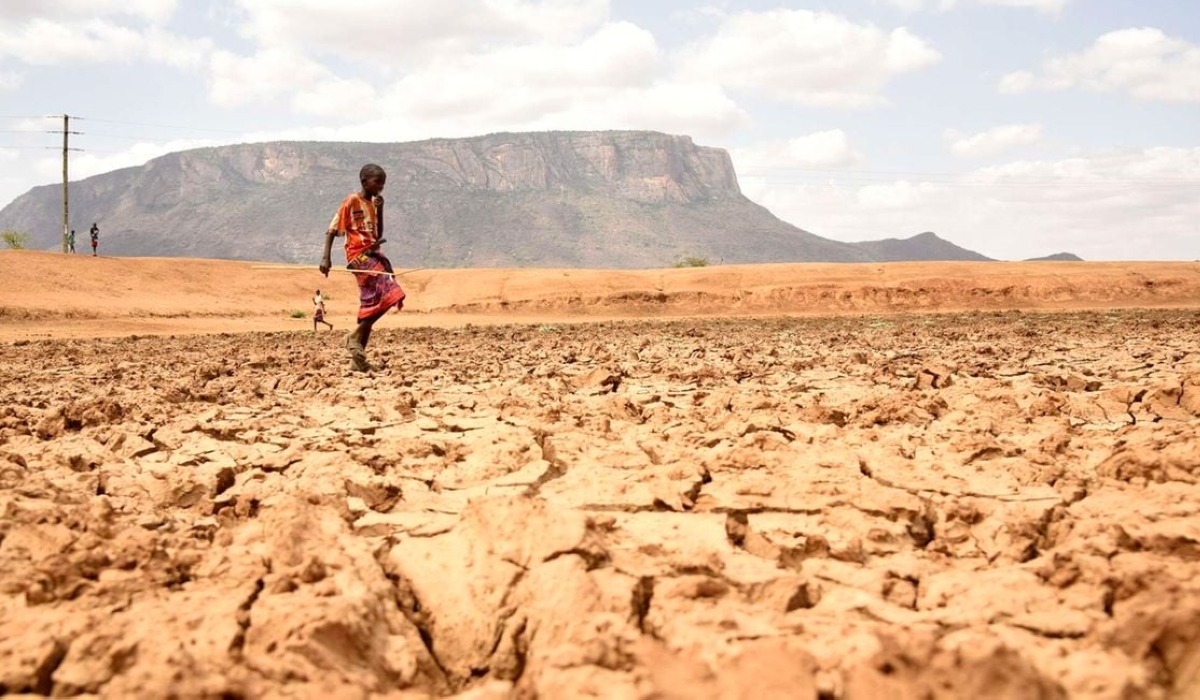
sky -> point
(1016, 128)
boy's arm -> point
(378, 201)
(326, 264)
(336, 226)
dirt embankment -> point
(55, 295)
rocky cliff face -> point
(596, 199)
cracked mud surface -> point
(999, 505)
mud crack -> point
(238, 645)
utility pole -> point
(66, 132)
(66, 214)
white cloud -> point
(1135, 205)
(696, 109)
(152, 10)
(823, 149)
(160, 46)
(1050, 7)
(462, 67)
(1145, 63)
(10, 81)
(33, 125)
(271, 74)
(917, 5)
(331, 96)
(810, 58)
(993, 142)
(407, 32)
(8, 155)
(44, 42)
(700, 15)
(612, 79)
(526, 81)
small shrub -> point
(15, 240)
(692, 261)
(298, 314)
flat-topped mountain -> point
(613, 199)
(587, 199)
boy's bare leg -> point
(357, 341)
(365, 336)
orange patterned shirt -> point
(357, 220)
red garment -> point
(358, 221)
(376, 293)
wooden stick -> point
(306, 268)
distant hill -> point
(922, 247)
(554, 199)
(1057, 257)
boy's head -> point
(372, 178)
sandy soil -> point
(46, 295)
(984, 505)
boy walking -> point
(71, 241)
(319, 311)
(360, 221)
(95, 238)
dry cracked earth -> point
(998, 505)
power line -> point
(117, 136)
(159, 126)
(143, 125)
(138, 139)
(41, 148)
(123, 137)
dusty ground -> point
(48, 295)
(993, 505)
